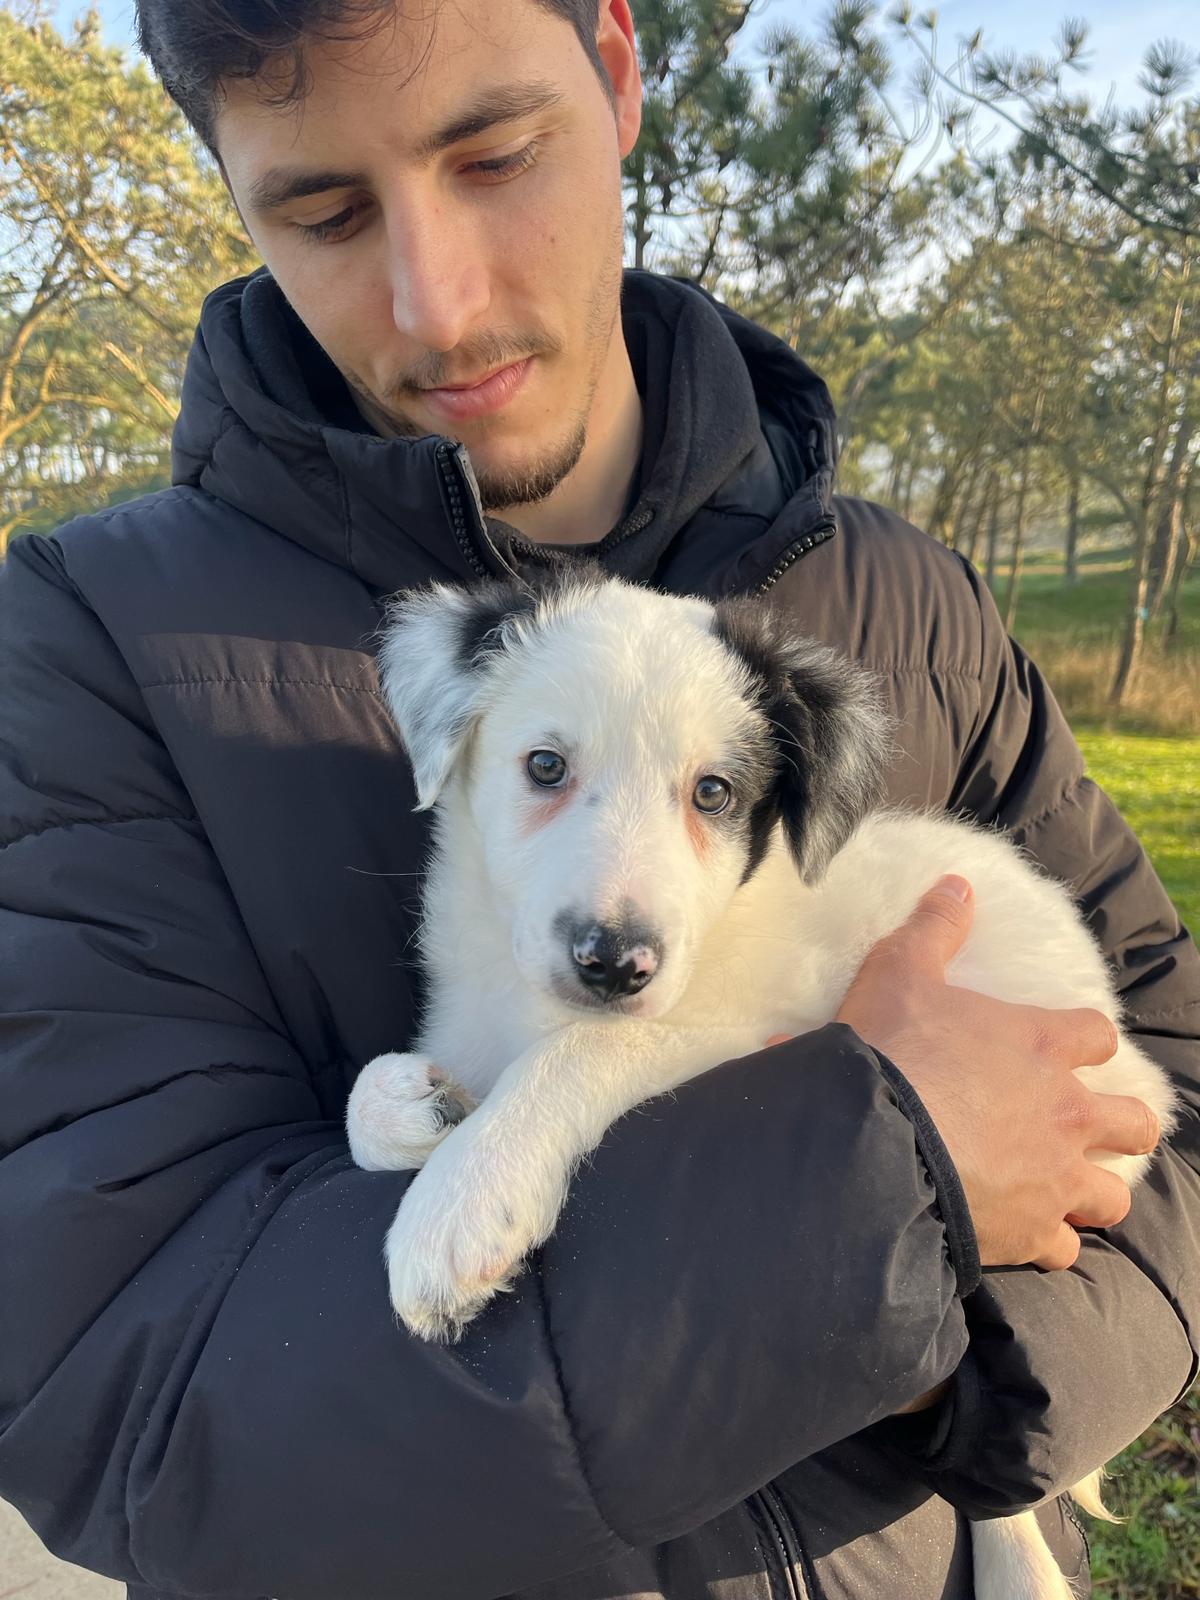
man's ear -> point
(439, 648)
(616, 48)
(831, 733)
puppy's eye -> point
(711, 795)
(547, 768)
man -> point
(208, 897)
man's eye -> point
(496, 170)
(502, 167)
(331, 226)
(547, 769)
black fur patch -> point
(495, 603)
(479, 632)
(829, 741)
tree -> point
(113, 229)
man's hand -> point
(998, 1081)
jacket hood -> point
(738, 431)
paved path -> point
(28, 1572)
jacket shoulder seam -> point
(934, 670)
(98, 822)
(271, 681)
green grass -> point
(1094, 609)
(1156, 784)
(1147, 757)
(1154, 1554)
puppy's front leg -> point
(492, 1190)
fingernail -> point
(958, 887)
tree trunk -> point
(963, 511)
(993, 538)
(940, 510)
(1134, 635)
(1162, 426)
(641, 217)
(979, 514)
(1071, 576)
(1168, 532)
(1183, 557)
(1018, 546)
(910, 484)
(899, 462)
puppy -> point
(630, 788)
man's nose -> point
(439, 279)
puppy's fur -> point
(631, 789)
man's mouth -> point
(459, 403)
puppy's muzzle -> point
(614, 960)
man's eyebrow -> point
(278, 185)
(506, 103)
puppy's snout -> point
(616, 960)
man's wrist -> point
(951, 1196)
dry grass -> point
(1075, 635)
(1163, 699)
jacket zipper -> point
(457, 486)
(775, 1514)
(823, 530)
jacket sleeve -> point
(202, 1387)
(1065, 1369)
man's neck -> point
(592, 498)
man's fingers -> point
(1080, 1037)
(934, 932)
(1063, 1252)
(1123, 1125)
(1103, 1200)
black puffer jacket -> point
(206, 903)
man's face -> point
(445, 204)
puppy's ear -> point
(831, 734)
(439, 648)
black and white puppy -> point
(630, 787)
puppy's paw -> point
(400, 1108)
(466, 1224)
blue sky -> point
(1120, 33)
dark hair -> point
(194, 44)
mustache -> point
(485, 353)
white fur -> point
(642, 698)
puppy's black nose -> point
(615, 961)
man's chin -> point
(502, 486)
(504, 470)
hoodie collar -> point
(733, 420)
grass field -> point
(1074, 636)
(1156, 784)
(1155, 1554)
(1148, 760)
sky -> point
(1120, 33)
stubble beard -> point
(535, 480)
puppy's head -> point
(624, 760)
